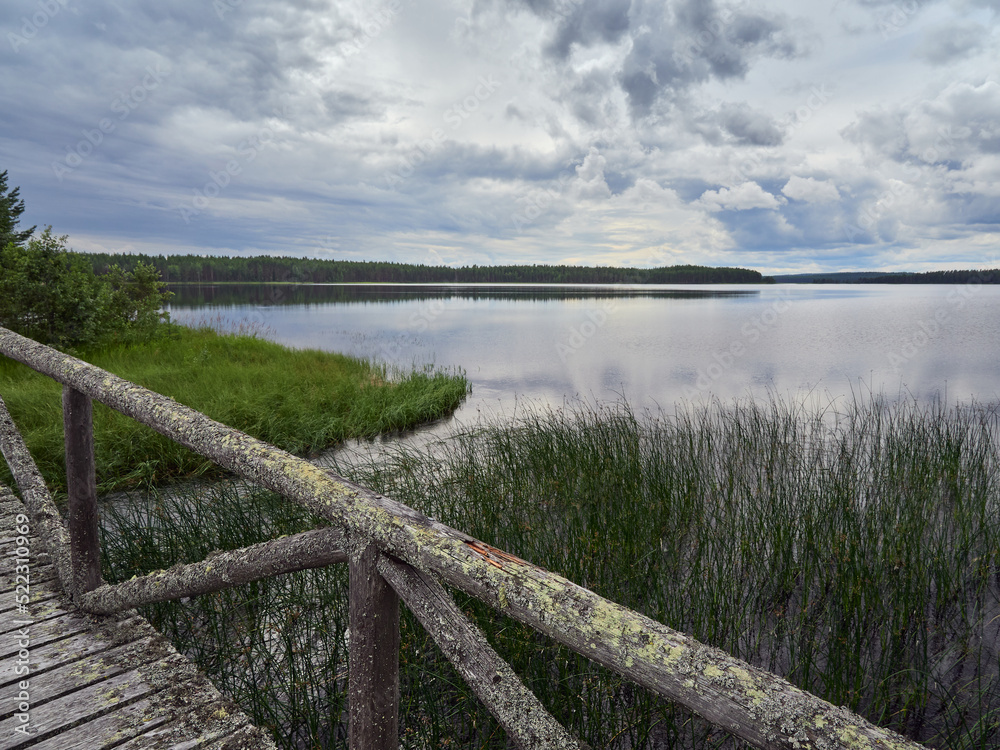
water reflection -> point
(653, 346)
(187, 296)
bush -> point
(52, 295)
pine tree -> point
(10, 211)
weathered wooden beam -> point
(757, 706)
(222, 570)
(81, 487)
(373, 667)
(46, 522)
(517, 709)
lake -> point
(654, 346)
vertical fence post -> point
(373, 676)
(81, 484)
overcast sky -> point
(777, 135)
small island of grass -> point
(302, 401)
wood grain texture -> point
(81, 486)
(373, 674)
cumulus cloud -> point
(960, 122)
(738, 124)
(810, 190)
(740, 198)
(678, 45)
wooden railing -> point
(396, 553)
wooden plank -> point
(81, 487)
(187, 714)
(44, 609)
(246, 738)
(81, 705)
(43, 605)
(40, 633)
(39, 573)
(80, 666)
(373, 673)
(100, 733)
(74, 651)
(183, 734)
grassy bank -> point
(300, 400)
(855, 553)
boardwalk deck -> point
(71, 681)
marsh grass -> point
(303, 401)
(853, 551)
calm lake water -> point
(654, 346)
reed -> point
(852, 549)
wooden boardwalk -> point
(72, 681)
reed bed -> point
(852, 549)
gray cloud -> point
(739, 124)
(942, 45)
(588, 23)
(678, 46)
(952, 128)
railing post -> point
(81, 484)
(373, 676)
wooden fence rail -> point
(395, 552)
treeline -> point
(938, 277)
(215, 269)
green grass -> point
(301, 400)
(853, 551)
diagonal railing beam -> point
(757, 706)
(499, 688)
(46, 521)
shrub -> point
(52, 295)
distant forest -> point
(929, 277)
(938, 277)
(212, 269)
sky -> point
(775, 135)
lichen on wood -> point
(221, 570)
